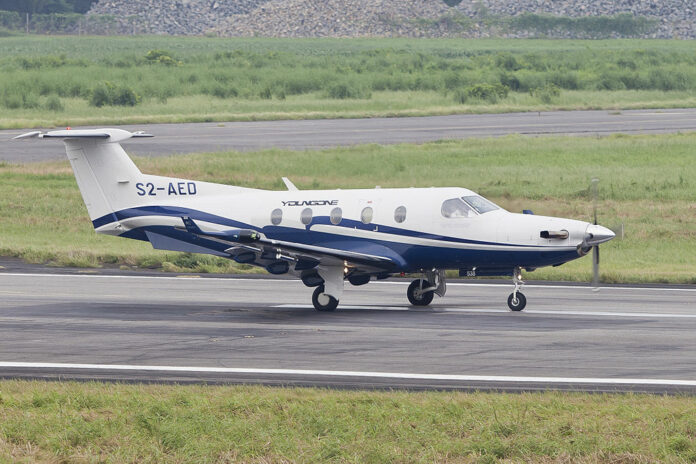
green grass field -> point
(48, 422)
(59, 81)
(647, 182)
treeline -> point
(46, 6)
(56, 23)
(622, 25)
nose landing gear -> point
(517, 301)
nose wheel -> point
(517, 301)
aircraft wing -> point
(249, 241)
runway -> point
(322, 133)
(262, 330)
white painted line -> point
(164, 277)
(236, 279)
(576, 287)
(374, 308)
(358, 374)
(441, 310)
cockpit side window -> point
(456, 208)
(480, 204)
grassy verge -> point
(204, 108)
(93, 422)
(59, 81)
(647, 182)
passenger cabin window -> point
(366, 215)
(276, 216)
(456, 208)
(400, 214)
(336, 216)
(306, 216)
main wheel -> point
(418, 298)
(517, 304)
(322, 301)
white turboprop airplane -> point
(323, 236)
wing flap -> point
(297, 251)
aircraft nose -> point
(596, 234)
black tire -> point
(330, 306)
(420, 300)
(519, 304)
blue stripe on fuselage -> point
(177, 211)
(411, 257)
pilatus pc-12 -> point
(325, 237)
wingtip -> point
(28, 135)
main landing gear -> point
(517, 301)
(322, 301)
(421, 291)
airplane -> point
(325, 237)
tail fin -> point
(102, 168)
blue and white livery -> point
(325, 237)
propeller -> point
(596, 234)
(595, 249)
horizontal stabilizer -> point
(110, 135)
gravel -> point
(373, 18)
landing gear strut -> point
(517, 301)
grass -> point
(50, 81)
(94, 422)
(647, 183)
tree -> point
(452, 2)
(37, 6)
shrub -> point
(124, 96)
(344, 90)
(490, 93)
(224, 91)
(54, 104)
(266, 93)
(547, 93)
(161, 57)
(507, 61)
(107, 93)
(460, 96)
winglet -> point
(290, 185)
(28, 135)
(191, 226)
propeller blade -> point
(595, 266)
(595, 194)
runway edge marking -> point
(359, 374)
(234, 279)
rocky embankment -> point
(173, 17)
(378, 18)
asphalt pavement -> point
(321, 133)
(258, 330)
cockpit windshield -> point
(480, 204)
(468, 206)
(456, 208)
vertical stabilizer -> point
(104, 172)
